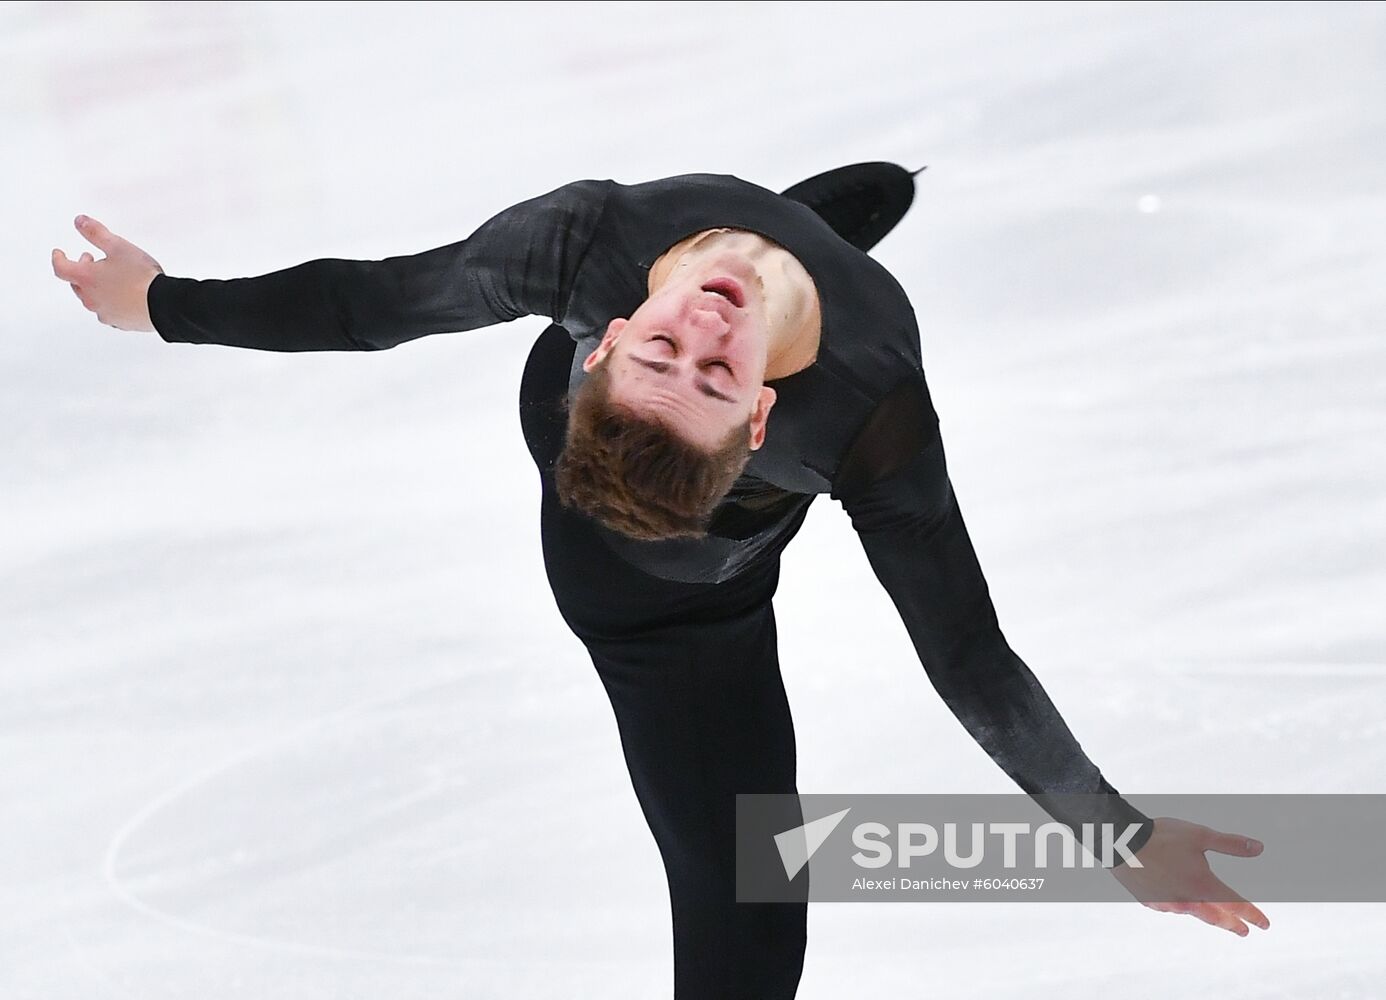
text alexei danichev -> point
(945, 884)
(909, 883)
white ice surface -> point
(286, 710)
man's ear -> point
(764, 401)
(613, 333)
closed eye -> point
(722, 364)
(704, 386)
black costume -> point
(683, 632)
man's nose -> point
(709, 321)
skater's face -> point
(693, 355)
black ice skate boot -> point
(862, 201)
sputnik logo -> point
(799, 844)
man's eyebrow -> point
(703, 385)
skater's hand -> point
(116, 287)
(1176, 877)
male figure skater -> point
(720, 355)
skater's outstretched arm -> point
(520, 262)
(894, 484)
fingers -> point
(99, 235)
(71, 270)
(1252, 914)
(1233, 843)
(1231, 902)
(74, 272)
(79, 270)
(1218, 916)
(1230, 912)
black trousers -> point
(692, 672)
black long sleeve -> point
(580, 255)
(895, 487)
(521, 262)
